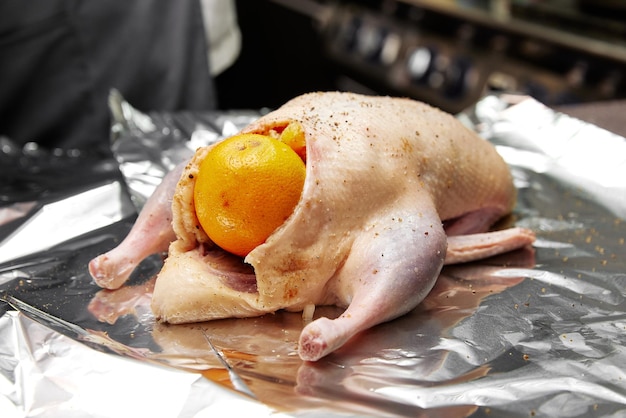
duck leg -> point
(151, 234)
(465, 248)
(391, 268)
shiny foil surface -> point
(536, 332)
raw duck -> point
(394, 190)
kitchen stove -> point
(449, 53)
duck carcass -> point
(394, 190)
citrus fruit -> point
(293, 135)
(246, 187)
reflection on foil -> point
(417, 351)
(105, 205)
(539, 332)
(47, 374)
(578, 154)
(235, 379)
(15, 211)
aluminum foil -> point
(537, 332)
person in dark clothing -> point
(59, 59)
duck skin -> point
(394, 190)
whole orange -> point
(246, 187)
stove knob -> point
(420, 63)
(457, 77)
(347, 33)
(369, 41)
(390, 50)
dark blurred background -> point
(446, 52)
(61, 58)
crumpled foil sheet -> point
(537, 332)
